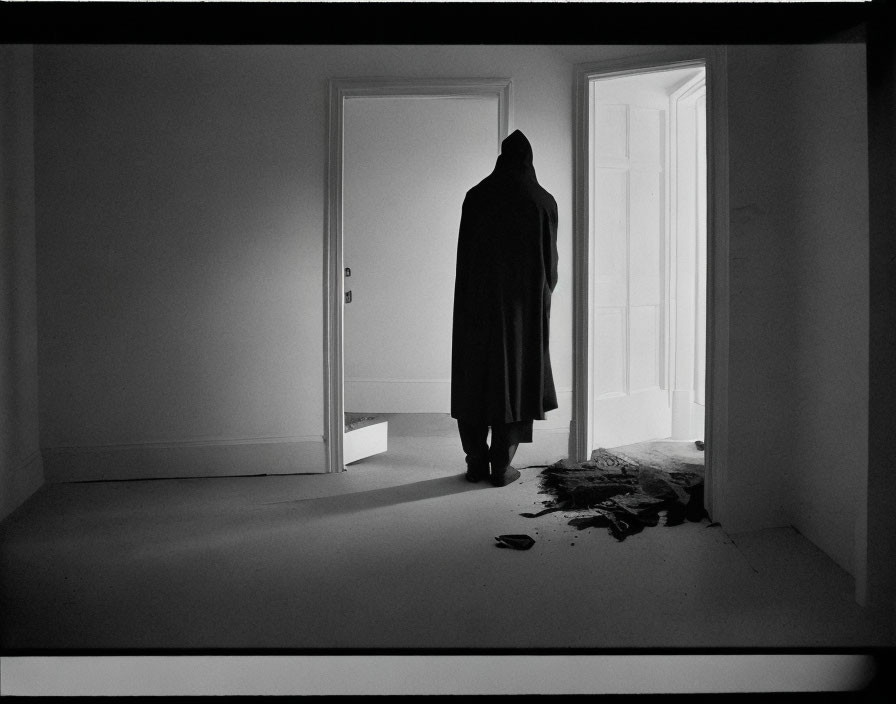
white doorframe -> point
(714, 59)
(685, 94)
(333, 280)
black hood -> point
(516, 154)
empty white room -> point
(227, 296)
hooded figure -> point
(506, 272)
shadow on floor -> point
(388, 496)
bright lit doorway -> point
(647, 230)
(651, 309)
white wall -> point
(408, 164)
(878, 521)
(21, 469)
(181, 201)
(799, 246)
(829, 200)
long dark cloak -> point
(506, 274)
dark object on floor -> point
(619, 527)
(695, 511)
(608, 462)
(517, 542)
(582, 485)
(552, 509)
(699, 444)
(621, 495)
(508, 476)
(659, 484)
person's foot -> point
(508, 476)
(475, 474)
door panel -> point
(644, 348)
(646, 240)
(645, 128)
(611, 130)
(611, 210)
(628, 235)
(408, 163)
(610, 373)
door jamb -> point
(685, 93)
(333, 281)
(714, 59)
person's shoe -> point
(508, 476)
(475, 474)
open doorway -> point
(651, 263)
(647, 230)
(403, 155)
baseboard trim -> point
(548, 445)
(21, 483)
(426, 396)
(183, 459)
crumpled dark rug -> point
(620, 494)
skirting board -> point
(174, 460)
(18, 485)
(547, 447)
(429, 396)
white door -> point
(628, 231)
(408, 163)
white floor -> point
(398, 551)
